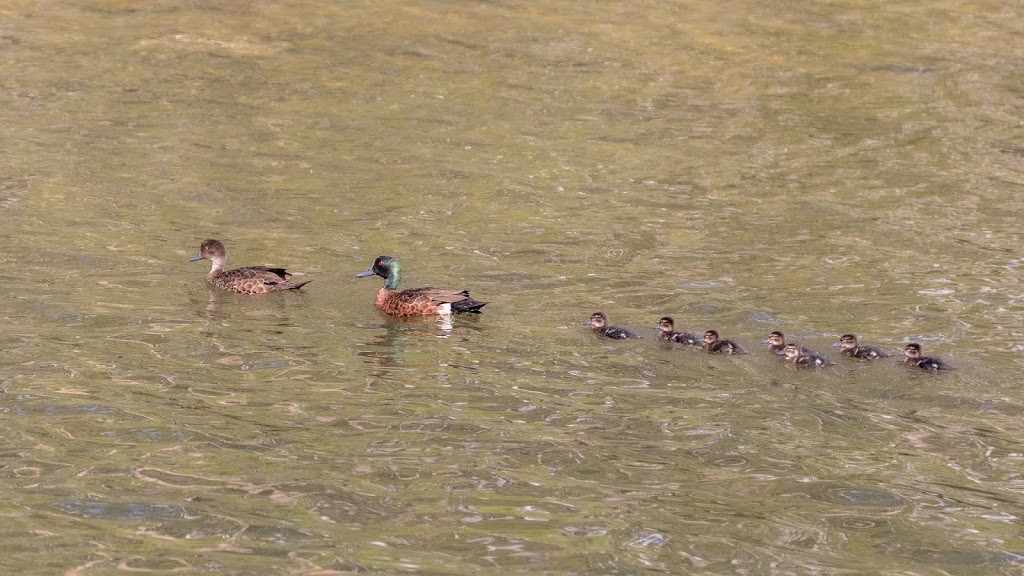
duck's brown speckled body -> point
(248, 280)
(415, 301)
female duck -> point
(415, 301)
(247, 280)
(915, 358)
(713, 343)
(667, 331)
(849, 345)
(799, 358)
(599, 325)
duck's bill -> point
(365, 274)
(196, 259)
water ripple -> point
(122, 511)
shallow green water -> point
(843, 166)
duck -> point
(599, 325)
(776, 342)
(713, 343)
(416, 301)
(248, 280)
(849, 345)
(795, 355)
(667, 331)
(914, 358)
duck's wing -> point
(431, 295)
(257, 280)
(266, 271)
(426, 301)
(257, 273)
(619, 333)
(871, 352)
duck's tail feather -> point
(468, 305)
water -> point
(746, 167)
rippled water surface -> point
(817, 168)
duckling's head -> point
(387, 268)
(791, 351)
(848, 341)
(776, 338)
(598, 320)
(710, 337)
(667, 324)
(212, 250)
(912, 351)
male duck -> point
(247, 280)
(849, 345)
(599, 324)
(415, 301)
(914, 358)
(667, 331)
(713, 343)
(795, 355)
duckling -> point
(914, 358)
(712, 343)
(850, 345)
(667, 331)
(799, 358)
(776, 342)
(599, 325)
(416, 301)
(247, 280)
